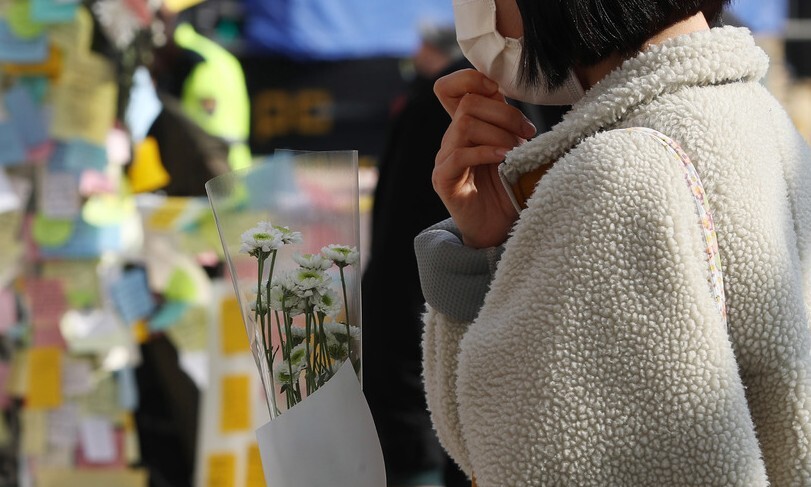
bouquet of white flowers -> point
(290, 230)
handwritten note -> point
(164, 216)
(59, 194)
(132, 296)
(47, 300)
(102, 401)
(221, 471)
(27, 115)
(127, 389)
(235, 401)
(34, 431)
(12, 148)
(17, 50)
(63, 426)
(53, 11)
(233, 337)
(85, 100)
(81, 155)
(77, 376)
(85, 240)
(79, 278)
(44, 378)
(97, 439)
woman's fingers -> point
(451, 88)
(473, 108)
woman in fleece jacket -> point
(579, 341)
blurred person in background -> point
(404, 204)
(203, 128)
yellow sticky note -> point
(254, 475)
(178, 5)
(164, 217)
(50, 68)
(233, 337)
(120, 477)
(147, 172)
(221, 470)
(34, 427)
(44, 378)
(85, 99)
(235, 410)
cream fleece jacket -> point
(596, 355)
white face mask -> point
(498, 57)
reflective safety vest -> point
(215, 95)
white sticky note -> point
(59, 195)
(98, 439)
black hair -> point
(562, 34)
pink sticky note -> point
(48, 336)
(47, 300)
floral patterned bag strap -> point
(716, 278)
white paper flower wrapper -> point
(329, 440)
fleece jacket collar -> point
(717, 56)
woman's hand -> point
(483, 129)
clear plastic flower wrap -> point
(290, 231)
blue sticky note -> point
(86, 242)
(76, 156)
(27, 115)
(132, 297)
(16, 50)
(12, 150)
(127, 389)
(169, 314)
(52, 12)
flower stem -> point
(346, 317)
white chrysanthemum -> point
(298, 334)
(284, 296)
(298, 355)
(338, 330)
(308, 280)
(262, 238)
(341, 255)
(327, 302)
(281, 372)
(288, 236)
(312, 261)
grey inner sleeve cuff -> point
(454, 278)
